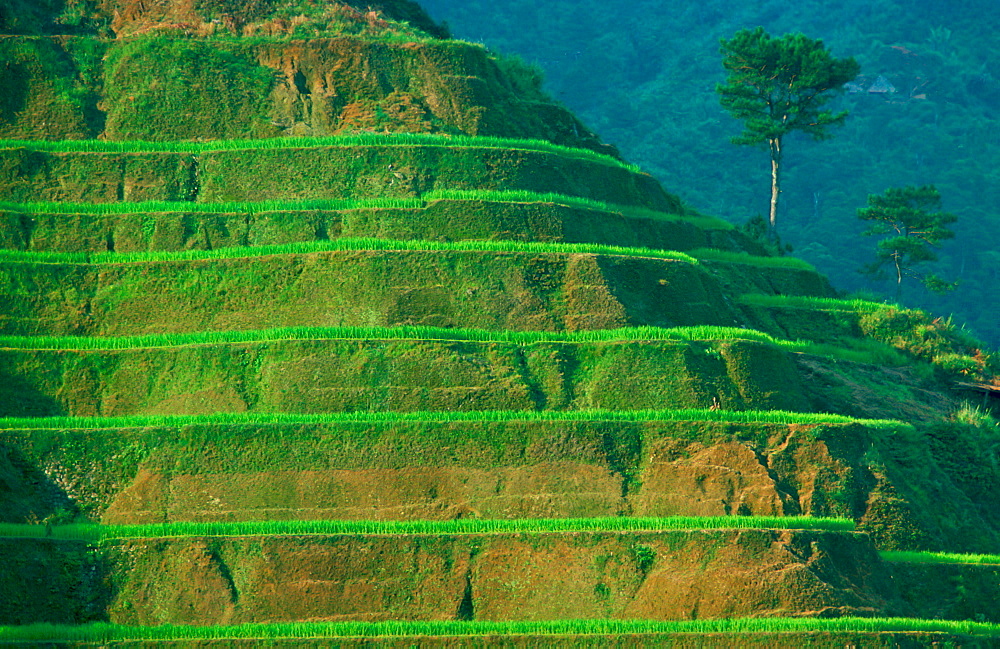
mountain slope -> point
(388, 368)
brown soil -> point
(702, 574)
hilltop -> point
(318, 324)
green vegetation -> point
(389, 333)
(100, 533)
(335, 245)
(904, 214)
(713, 254)
(257, 418)
(860, 352)
(149, 82)
(911, 331)
(812, 303)
(350, 140)
(256, 207)
(101, 632)
(940, 557)
(706, 222)
(778, 86)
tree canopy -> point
(779, 85)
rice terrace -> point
(319, 327)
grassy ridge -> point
(338, 245)
(940, 557)
(98, 533)
(871, 352)
(235, 207)
(353, 140)
(812, 303)
(250, 418)
(391, 333)
(101, 632)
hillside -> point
(317, 326)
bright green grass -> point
(256, 207)
(353, 140)
(811, 303)
(940, 557)
(105, 633)
(712, 254)
(874, 353)
(238, 207)
(252, 418)
(337, 245)
(706, 333)
(98, 533)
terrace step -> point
(395, 369)
(440, 466)
(656, 575)
(521, 216)
(514, 287)
(260, 171)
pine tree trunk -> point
(775, 146)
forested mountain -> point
(643, 74)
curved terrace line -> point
(346, 244)
(345, 141)
(405, 332)
(103, 633)
(446, 416)
(462, 526)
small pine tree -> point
(909, 216)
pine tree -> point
(779, 85)
(909, 216)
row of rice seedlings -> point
(106, 633)
(382, 417)
(339, 245)
(348, 140)
(524, 196)
(101, 533)
(248, 207)
(405, 332)
(713, 254)
(874, 353)
(940, 557)
(864, 351)
(190, 207)
(811, 303)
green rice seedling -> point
(351, 140)
(875, 353)
(940, 557)
(160, 207)
(448, 416)
(338, 245)
(712, 254)
(809, 302)
(104, 633)
(102, 533)
(407, 332)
